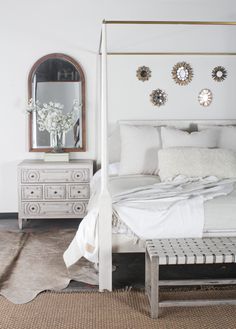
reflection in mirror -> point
(57, 79)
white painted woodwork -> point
(200, 282)
(105, 205)
(31, 192)
(181, 124)
(197, 302)
(78, 191)
(104, 114)
(105, 242)
(186, 251)
(53, 190)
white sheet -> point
(220, 213)
(161, 210)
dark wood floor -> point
(129, 267)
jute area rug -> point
(123, 310)
(31, 262)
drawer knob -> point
(32, 192)
(55, 192)
(78, 208)
(78, 191)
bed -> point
(219, 215)
(219, 210)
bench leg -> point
(154, 300)
(147, 273)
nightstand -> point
(53, 189)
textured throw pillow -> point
(139, 149)
(196, 162)
(172, 137)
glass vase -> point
(57, 141)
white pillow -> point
(227, 138)
(139, 149)
(114, 145)
(196, 162)
(172, 137)
(227, 135)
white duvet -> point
(150, 209)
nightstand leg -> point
(20, 223)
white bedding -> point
(219, 213)
(149, 209)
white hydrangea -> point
(50, 116)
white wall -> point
(30, 29)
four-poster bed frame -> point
(105, 205)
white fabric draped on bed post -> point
(105, 203)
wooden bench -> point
(186, 251)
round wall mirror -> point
(205, 97)
(56, 87)
(219, 73)
(182, 73)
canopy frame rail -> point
(105, 205)
(186, 53)
(188, 23)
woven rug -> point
(126, 310)
(32, 262)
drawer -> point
(78, 191)
(54, 192)
(55, 175)
(54, 209)
(31, 192)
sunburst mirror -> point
(182, 73)
(143, 73)
(205, 97)
(219, 73)
(158, 97)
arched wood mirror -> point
(56, 82)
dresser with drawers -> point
(53, 189)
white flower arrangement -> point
(50, 116)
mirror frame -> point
(30, 77)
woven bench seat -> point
(180, 252)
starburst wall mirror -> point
(56, 90)
(182, 73)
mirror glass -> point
(56, 84)
(182, 73)
(205, 97)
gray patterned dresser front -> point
(53, 189)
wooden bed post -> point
(105, 204)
